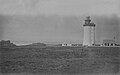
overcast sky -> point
(26, 21)
(61, 7)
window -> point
(108, 44)
(105, 44)
(111, 44)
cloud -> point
(34, 28)
(107, 27)
(1, 26)
(30, 3)
(59, 7)
(42, 28)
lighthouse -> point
(89, 32)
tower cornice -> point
(90, 24)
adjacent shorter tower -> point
(89, 32)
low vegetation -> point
(60, 60)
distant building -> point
(108, 43)
(77, 45)
(7, 43)
(69, 44)
(36, 44)
(97, 44)
(66, 44)
(53, 44)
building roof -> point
(108, 41)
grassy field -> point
(60, 60)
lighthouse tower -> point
(89, 32)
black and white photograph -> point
(59, 37)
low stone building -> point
(7, 43)
(66, 44)
(108, 43)
(77, 45)
(69, 44)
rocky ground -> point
(60, 60)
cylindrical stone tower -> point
(89, 32)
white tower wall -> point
(89, 33)
(93, 35)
